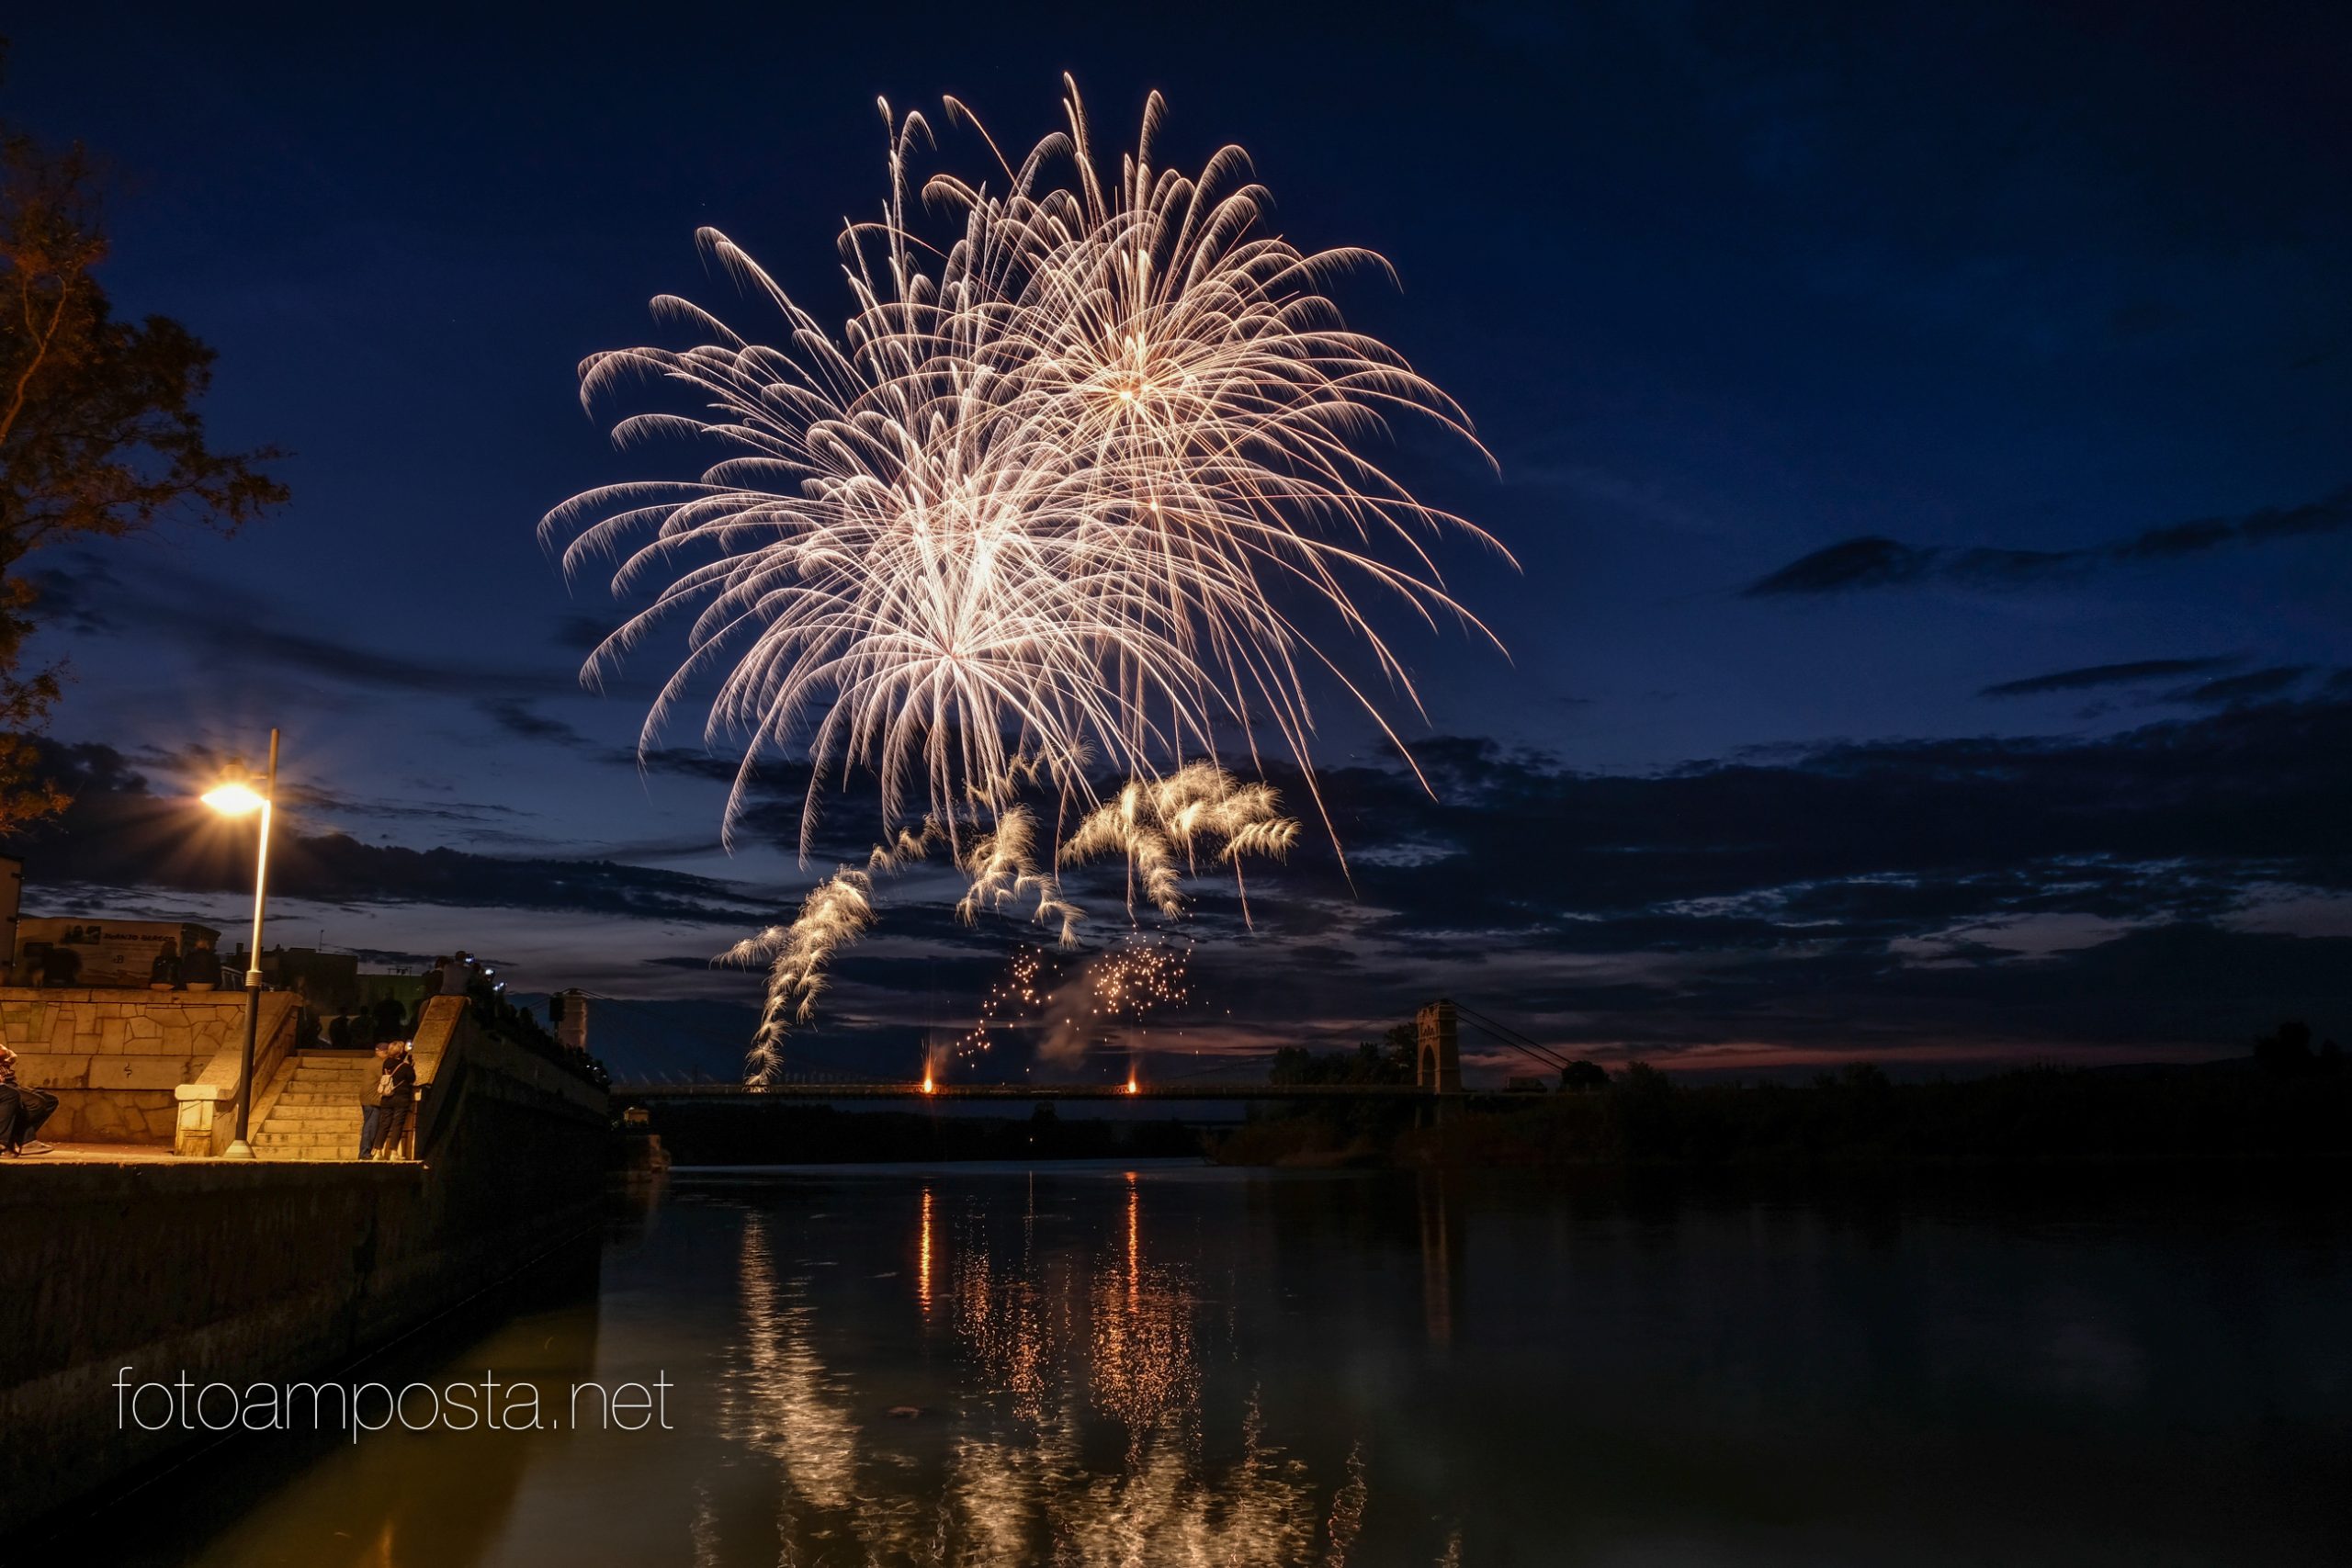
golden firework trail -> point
(1196, 810)
(836, 913)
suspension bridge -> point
(1437, 1075)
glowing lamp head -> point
(235, 798)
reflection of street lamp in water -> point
(235, 797)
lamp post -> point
(236, 799)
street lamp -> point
(237, 798)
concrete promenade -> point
(268, 1271)
(649, 1093)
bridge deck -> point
(1015, 1091)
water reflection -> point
(1055, 1353)
(393, 1499)
(1145, 1365)
(1093, 1368)
(922, 1257)
(782, 1402)
(1439, 1211)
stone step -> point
(322, 1123)
(304, 1094)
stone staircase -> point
(310, 1110)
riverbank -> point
(764, 1135)
(240, 1273)
(1859, 1118)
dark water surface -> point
(1179, 1365)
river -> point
(1177, 1364)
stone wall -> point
(115, 1058)
(239, 1272)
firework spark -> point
(1123, 985)
(1128, 984)
(1019, 992)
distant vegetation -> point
(2288, 1099)
(737, 1134)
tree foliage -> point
(100, 434)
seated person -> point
(164, 976)
(22, 1111)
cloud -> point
(1875, 562)
(518, 717)
(198, 761)
(1887, 563)
(1877, 894)
(581, 633)
(2044, 894)
(120, 834)
(2094, 675)
(2254, 686)
(222, 627)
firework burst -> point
(1032, 515)
(1034, 500)
(1065, 1006)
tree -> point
(1581, 1075)
(99, 430)
(2286, 1050)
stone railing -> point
(206, 1124)
(119, 1060)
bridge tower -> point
(568, 1010)
(1437, 1058)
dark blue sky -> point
(1852, 373)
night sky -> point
(1923, 432)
